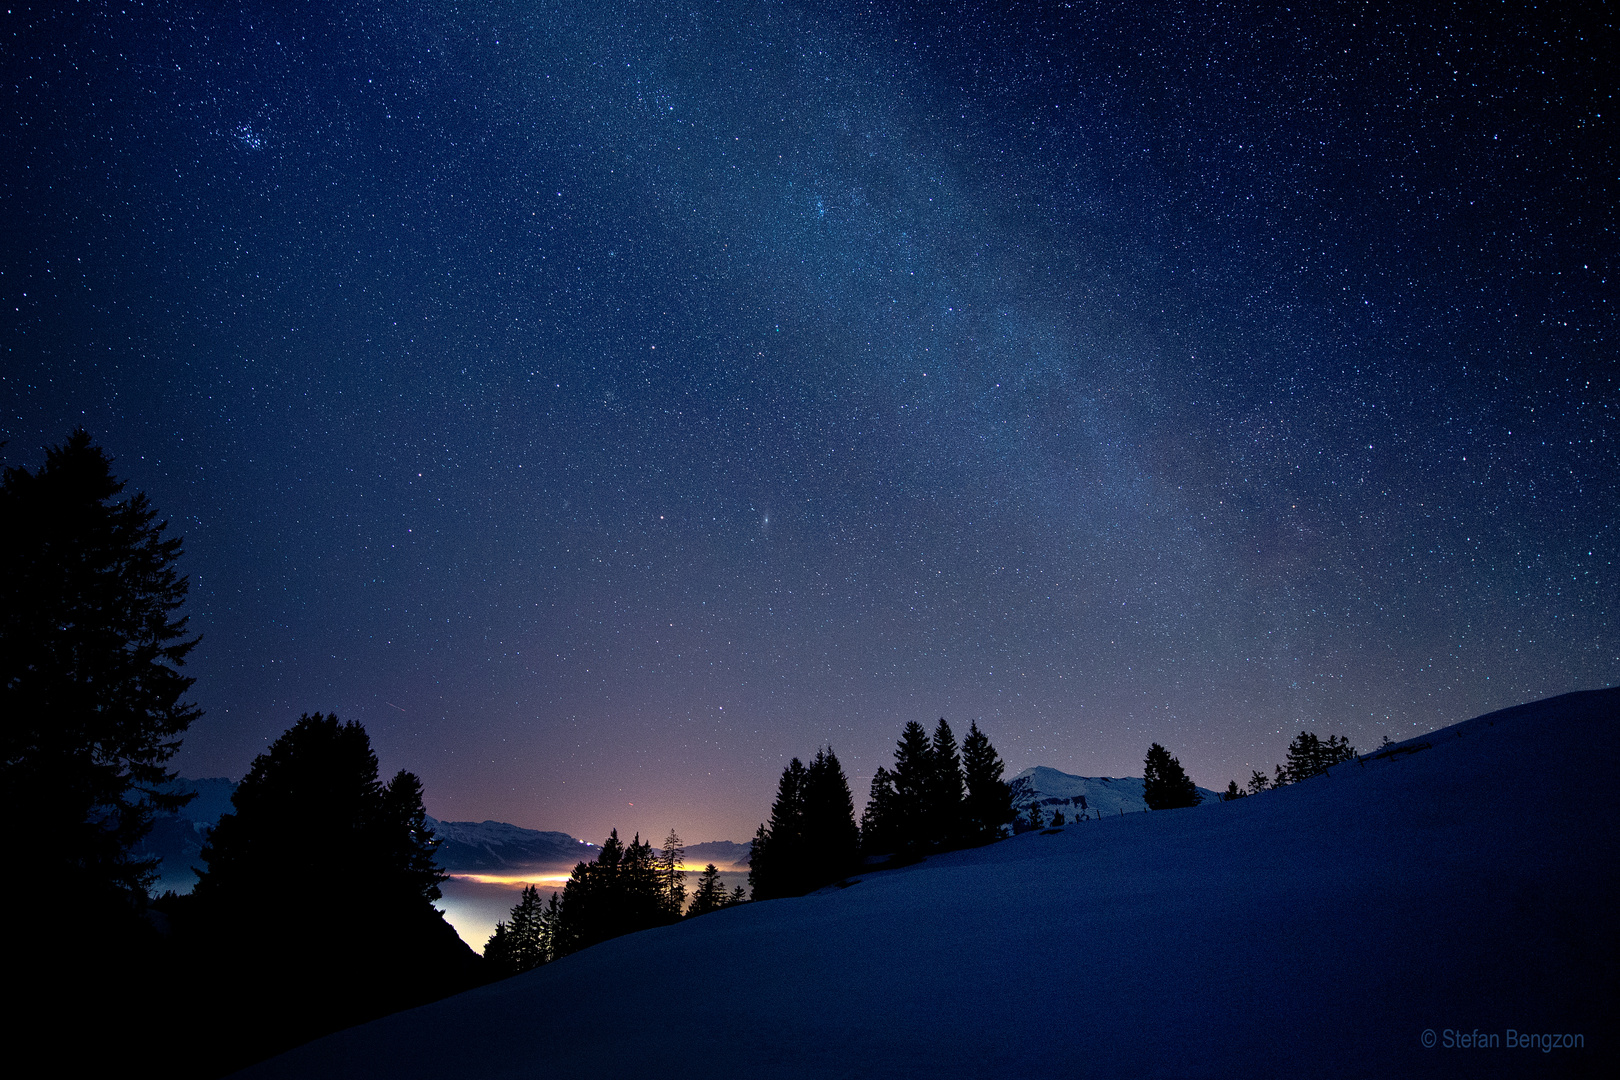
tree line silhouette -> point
(1308, 756)
(936, 798)
(91, 698)
(92, 708)
(625, 889)
(312, 813)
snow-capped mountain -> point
(489, 847)
(1347, 926)
(1081, 797)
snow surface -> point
(1317, 930)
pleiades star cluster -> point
(606, 402)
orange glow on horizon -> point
(539, 880)
(543, 879)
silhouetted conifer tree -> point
(90, 689)
(312, 814)
(710, 894)
(590, 906)
(526, 937)
(832, 842)
(1309, 756)
(880, 821)
(498, 952)
(644, 897)
(812, 838)
(1033, 818)
(406, 859)
(319, 780)
(1233, 792)
(1258, 782)
(1165, 785)
(737, 897)
(671, 878)
(988, 804)
(942, 794)
(549, 923)
(759, 857)
(1304, 757)
(913, 777)
(775, 864)
(619, 893)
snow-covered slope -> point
(1319, 930)
(1081, 796)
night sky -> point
(605, 403)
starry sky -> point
(606, 402)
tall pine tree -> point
(498, 952)
(671, 878)
(526, 934)
(880, 821)
(775, 864)
(313, 813)
(988, 805)
(832, 842)
(1165, 785)
(943, 811)
(592, 907)
(91, 644)
(1309, 756)
(913, 780)
(812, 838)
(619, 893)
(643, 898)
(710, 894)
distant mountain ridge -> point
(498, 847)
(1081, 796)
(466, 847)
(723, 853)
(487, 847)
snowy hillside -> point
(1318, 930)
(1081, 796)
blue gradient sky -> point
(607, 402)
